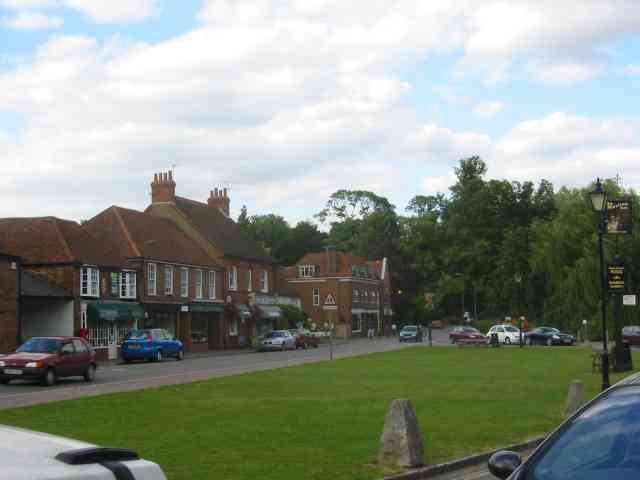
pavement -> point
(113, 377)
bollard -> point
(575, 398)
(401, 440)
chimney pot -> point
(163, 188)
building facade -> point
(249, 279)
(344, 291)
(178, 286)
(9, 301)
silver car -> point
(278, 340)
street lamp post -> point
(462, 296)
(518, 278)
(599, 205)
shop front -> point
(108, 322)
(207, 327)
(160, 315)
(267, 319)
(363, 320)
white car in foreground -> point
(507, 334)
(29, 455)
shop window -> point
(128, 284)
(233, 327)
(184, 282)
(164, 320)
(199, 329)
(356, 324)
(356, 294)
(151, 279)
(89, 282)
(168, 280)
(316, 297)
(198, 283)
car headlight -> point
(33, 365)
(2, 364)
(555, 337)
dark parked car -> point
(410, 333)
(549, 336)
(599, 442)
(154, 344)
(46, 359)
(466, 334)
(631, 335)
(305, 339)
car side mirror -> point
(504, 463)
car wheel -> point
(158, 357)
(49, 378)
(180, 355)
(507, 341)
(452, 340)
(90, 373)
(549, 342)
(283, 347)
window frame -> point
(212, 285)
(168, 291)
(127, 286)
(316, 297)
(307, 271)
(89, 281)
(184, 282)
(232, 273)
(199, 283)
(264, 281)
(152, 276)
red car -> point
(631, 335)
(46, 359)
(466, 334)
(304, 339)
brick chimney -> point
(163, 188)
(219, 198)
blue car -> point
(154, 344)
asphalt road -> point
(116, 377)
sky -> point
(286, 101)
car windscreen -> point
(275, 335)
(138, 334)
(410, 329)
(511, 329)
(601, 443)
(40, 345)
(471, 330)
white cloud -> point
(632, 69)
(438, 183)
(562, 74)
(489, 108)
(449, 95)
(100, 11)
(286, 100)
(32, 21)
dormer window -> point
(307, 271)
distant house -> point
(250, 271)
(343, 290)
(180, 286)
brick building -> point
(9, 301)
(250, 273)
(180, 285)
(68, 284)
(344, 290)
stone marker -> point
(575, 398)
(401, 440)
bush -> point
(291, 317)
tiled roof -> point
(222, 231)
(132, 234)
(49, 240)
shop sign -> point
(330, 303)
(619, 216)
(629, 300)
(184, 308)
(615, 278)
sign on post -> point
(629, 300)
(619, 216)
(615, 278)
(330, 303)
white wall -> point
(41, 318)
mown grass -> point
(324, 420)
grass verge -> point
(324, 420)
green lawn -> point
(324, 420)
